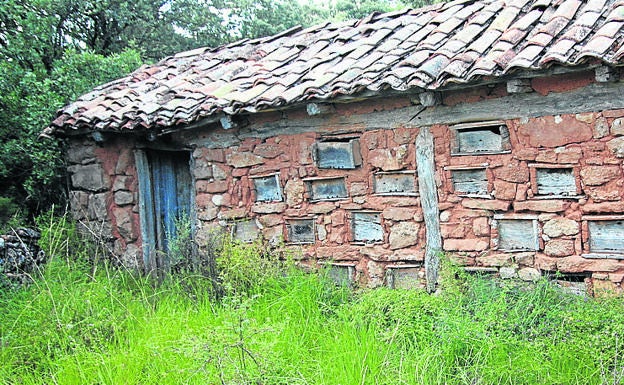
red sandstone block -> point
(548, 206)
(613, 113)
(605, 207)
(466, 244)
(217, 186)
(485, 204)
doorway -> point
(165, 196)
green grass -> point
(79, 325)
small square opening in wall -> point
(555, 182)
(366, 227)
(326, 188)
(267, 188)
(471, 182)
(606, 236)
(341, 154)
(405, 277)
(395, 183)
(342, 274)
(517, 234)
(480, 138)
(245, 231)
(300, 231)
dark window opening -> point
(479, 138)
(395, 183)
(268, 189)
(327, 189)
(300, 231)
(338, 154)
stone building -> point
(490, 129)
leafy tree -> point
(32, 170)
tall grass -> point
(79, 325)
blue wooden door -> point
(167, 203)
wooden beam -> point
(594, 97)
(429, 204)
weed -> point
(278, 325)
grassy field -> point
(80, 325)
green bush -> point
(83, 322)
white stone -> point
(529, 274)
(508, 272)
(217, 200)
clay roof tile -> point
(457, 42)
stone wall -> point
(511, 219)
(103, 195)
(20, 255)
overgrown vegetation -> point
(86, 323)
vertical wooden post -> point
(429, 203)
(146, 210)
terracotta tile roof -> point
(457, 42)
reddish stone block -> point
(606, 208)
(497, 260)
(548, 206)
(270, 150)
(233, 214)
(454, 230)
(398, 214)
(485, 204)
(561, 83)
(481, 227)
(546, 156)
(513, 172)
(217, 186)
(338, 218)
(526, 154)
(613, 113)
(269, 208)
(465, 244)
(504, 190)
(578, 264)
(596, 176)
(544, 262)
(570, 155)
(322, 207)
(214, 155)
(550, 132)
(559, 247)
(243, 159)
(270, 220)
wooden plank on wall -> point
(556, 181)
(470, 181)
(517, 234)
(367, 227)
(146, 208)
(429, 202)
(606, 236)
